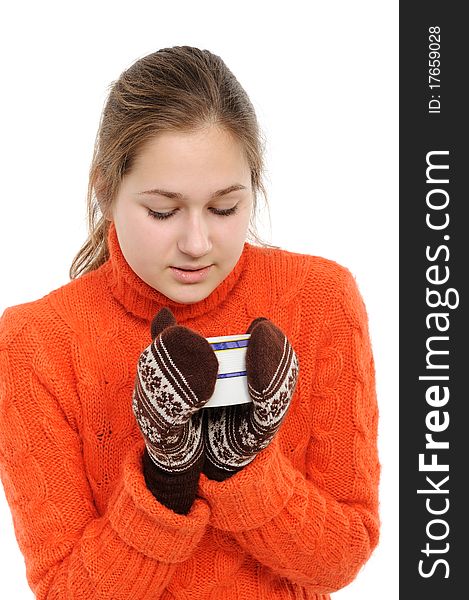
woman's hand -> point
(235, 434)
(176, 376)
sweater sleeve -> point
(71, 550)
(318, 527)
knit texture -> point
(299, 521)
(177, 373)
(234, 435)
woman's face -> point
(183, 210)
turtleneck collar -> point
(144, 301)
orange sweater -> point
(298, 522)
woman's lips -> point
(190, 276)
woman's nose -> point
(194, 239)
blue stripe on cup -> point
(235, 374)
(229, 345)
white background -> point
(323, 79)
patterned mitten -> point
(176, 376)
(235, 434)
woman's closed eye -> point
(221, 212)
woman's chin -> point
(189, 293)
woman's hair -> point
(174, 89)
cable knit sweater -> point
(298, 522)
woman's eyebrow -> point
(178, 196)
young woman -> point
(121, 484)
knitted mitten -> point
(176, 376)
(235, 434)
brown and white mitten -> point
(176, 376)
(234, 435)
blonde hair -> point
(174, 89)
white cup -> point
(231, 386)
